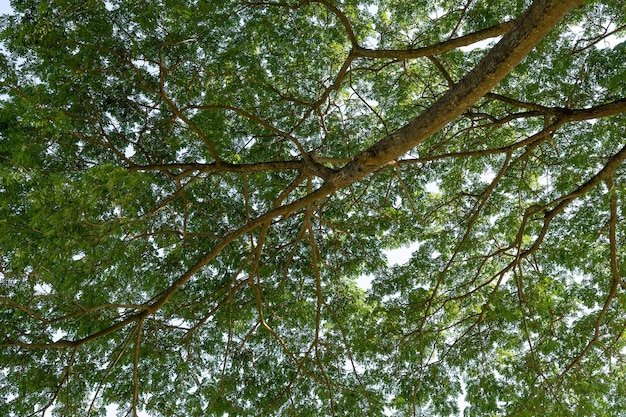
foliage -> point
(189, 191)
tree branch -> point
(527, 32)
(436, 49)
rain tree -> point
(192, 192)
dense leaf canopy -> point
(191, 191)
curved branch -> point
(309, 165)
(180, 114)
(611, 165)
(436, 49)
(596, 112)
(342, 18)
(615, 282)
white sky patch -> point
(401, 255)
(58, 335)
(181, 153)
(484, 44)
(488, 176)
(397, 256)
(111, 409)
(129, 151)
(436, 14)
(78, 256)
(432, 187)
(371, 42)
(148, 66)
(372, 9)
(5, 7)
(42, 289)
(365, 282)
(461, 401)
(178, 322)
(609, 42)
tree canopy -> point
(190, 191)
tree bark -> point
(526, 33)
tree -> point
(190, 190)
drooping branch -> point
(308, 166)
(615, 281)
(612, 164)
(560, 204)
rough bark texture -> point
(527, 32)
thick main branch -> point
(527, 32)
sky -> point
(5, 7)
